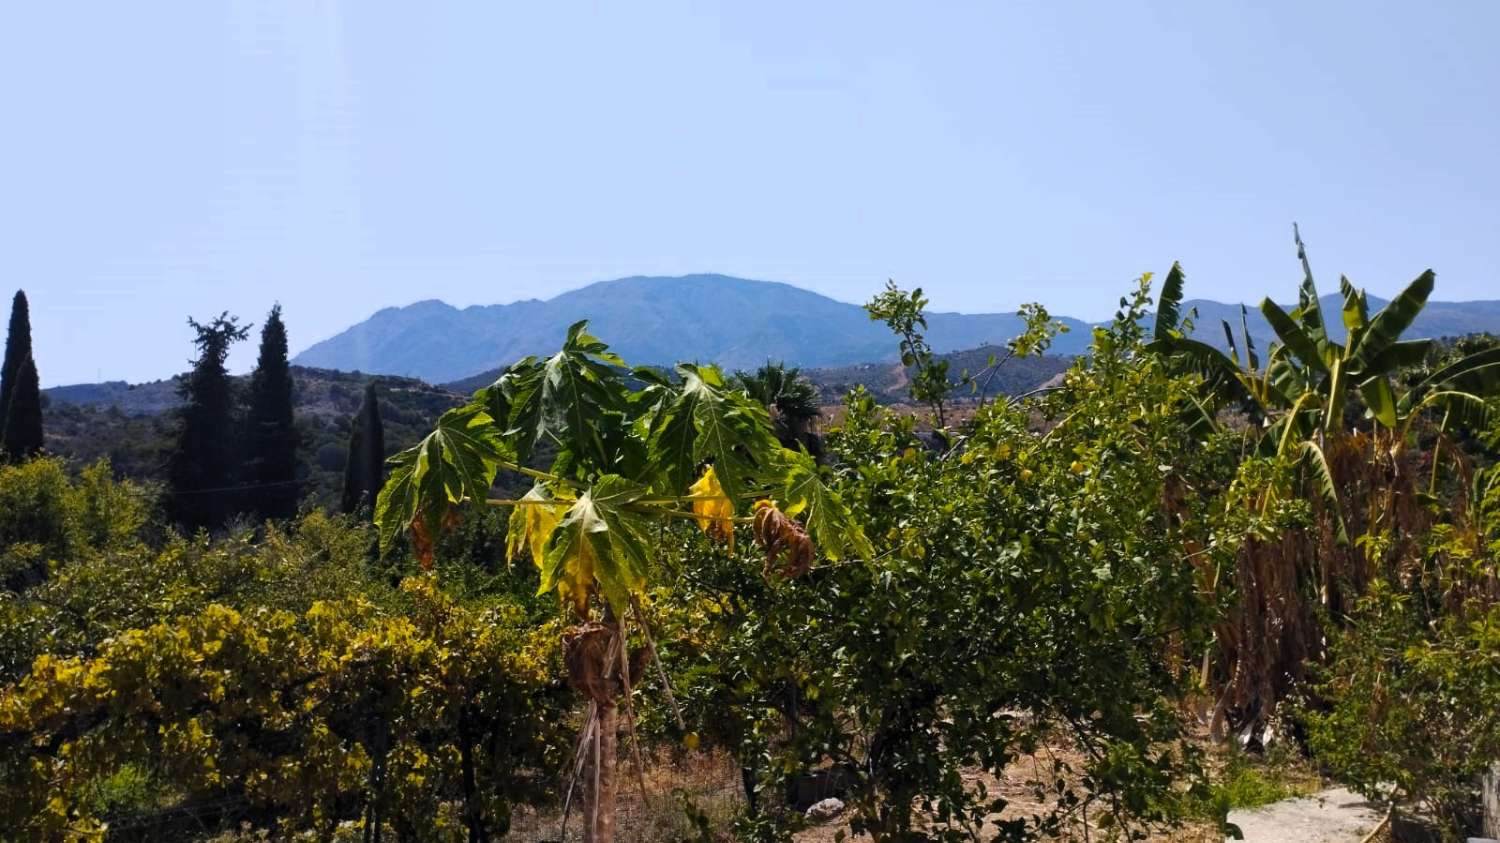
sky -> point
(175, 159)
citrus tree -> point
(631, 453)
(1028, 597)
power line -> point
(239, 488)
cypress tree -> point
(271, 433)
(364, 466)
(20, 389)
(203, 463)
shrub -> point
(1412, 705)
(344, 712)
(1027, 591)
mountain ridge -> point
(649, 320)
(735, 322)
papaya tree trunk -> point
(591, 652)
(599, 778)
(1491, 787)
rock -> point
(826, 810)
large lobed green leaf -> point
(600, 542)
(829, 522)
(707, 422)
(455, 462)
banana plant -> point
(1328, 373)
(1301, 393)
(628, 463)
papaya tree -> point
(626, 463)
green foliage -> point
(1025, 591)
(623, 458)
(1412, 704)
(20, 388)
(340, 712)
(47, 519)
(904, 314)
(791, 399)
(1244, 782)
(364, 460)
(456, 462)
(275, 680)
(100, 591)
(204, 465)
(1058, 575)
(270, 470)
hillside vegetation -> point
(1093, 611)
(130, 425)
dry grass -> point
(709, 781)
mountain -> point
(734, 322)
(1437, 319)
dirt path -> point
(1329, 816)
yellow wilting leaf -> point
(576, 576)
(531, 525)
(714, 509)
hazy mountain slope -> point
(1437, 319)
(735, 322)
(731, 321)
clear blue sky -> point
(165, 159)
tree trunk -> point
(1491, 788)
(599, 782)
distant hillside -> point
(1438, 319)
(130, 424)
(148, 398)
(886, 381)
(734, 322)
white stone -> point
(826, 810)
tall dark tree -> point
(364, 466)
(20, 390)
(271, 434)
(202, 468)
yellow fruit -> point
(1076, 467)
(690, 740)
